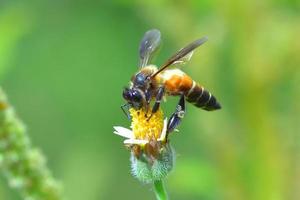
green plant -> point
(22, 165)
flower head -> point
(145, 129)
(151, 154)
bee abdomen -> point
(202, 98)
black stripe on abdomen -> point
(194, 93)
(202, 98)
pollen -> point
(145, 128)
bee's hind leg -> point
(176, 117)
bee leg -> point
(176, 117)
(158, 98)
(125, 109)
(148, 99)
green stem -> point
(160, 191)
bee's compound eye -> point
(127, 94)
(136, 96)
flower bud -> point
(147, 168)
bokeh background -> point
(64, 64)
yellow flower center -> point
(145, 128)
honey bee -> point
(153, 83)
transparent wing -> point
(183, 55)
(148, 46)
(182, 61)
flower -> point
(152, 157)
(144, 128)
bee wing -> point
(183, 55)
(148, 46)
(182, 61)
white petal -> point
(164, 131)
(124, 132)
(135, 141)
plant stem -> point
(21, 164)
(160, 191)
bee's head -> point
(134, 97)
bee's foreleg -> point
(158, 98)
(176, 117)
(148, 95)
(125, 109)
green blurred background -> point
(64, 64)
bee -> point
(151, 83)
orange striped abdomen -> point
(178, 84)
